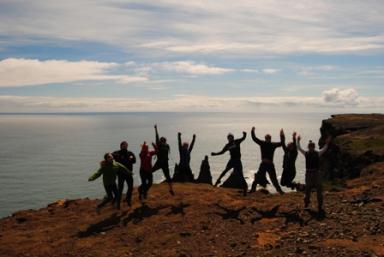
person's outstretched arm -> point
(192, 143)
(239, 140)
(96, 174)
(221, 152)
(299, 146)
(157, 135)
(294, 140)
(254, 138)
(124, 170)
(179, 140)
(325, 147)
(282, 140)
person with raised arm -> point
(162, 152)
(233, 146)
(146, 170)
(312, 174)
(184, 173)
(127, 158)
(109, 168)
(289, 163)
(267, 148)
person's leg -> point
(149, 184)
(117, 195)
(128, 197)
(120, 186)
(284, 177)
(308, 189)
(141, 188)
(227, 168)
(165, 168)
(259, 178)
(106, 199)
(238, 167)
(319, 192)
(272, 176)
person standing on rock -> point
(162, 153)
(145, 170)
(109, 168)
(205, 176)
(233, 146)
(127, 158)
(312, 173)
(267, 148)
(289, 162)
(184, 171)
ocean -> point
(45, 157)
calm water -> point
(48, 157)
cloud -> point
(201, 27)
(29, 72)
(331, 100)
(347, 96)
(190, 67)
(270, 71)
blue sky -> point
(169, 55)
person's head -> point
(124, 145)
(144, 147)
(230, 138)
(268, 138)
(163, 140)
(311, 146)
(206, 158)
(108, 158)
(185, 145)
(290, 146)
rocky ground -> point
(202, 220)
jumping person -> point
(312, 174)
(233, 146)
(145, 171)
(267, 151)
(184, 171)
(109, 168)
(127, 158)
(162, 153)
(289, 162)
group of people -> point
(119, 165)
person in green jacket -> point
(109, 168)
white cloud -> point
(28, 72)
(331, 100)
(270, 71)
(347, 96)
(239, 27)
(190, 67)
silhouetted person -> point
(312, 173)
(267, 152)
(162, 152)
(205, 172)
(109, 168)
(233, 146)
(184, 173)
(145, 170)
(289, 162)
(127, 158)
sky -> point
(168, 55)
